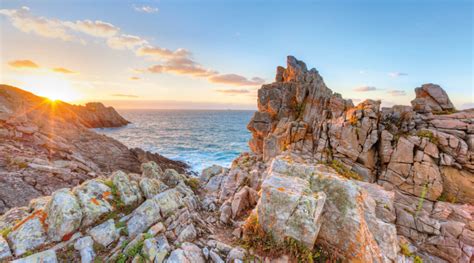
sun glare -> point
(50, 86)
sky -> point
(216, 54)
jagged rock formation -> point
(47, 145)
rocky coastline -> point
(325, 181)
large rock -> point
(105, 233)
(4, 249)
(128, 190)
(169, 201)
(64, 214)
(431, 97)
(47, 256)
(93, 196)
(458, 185)
(143, 217)
(28, 236)
(288, 208)
(151, 170)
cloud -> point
(26, 22)
(236, 80)
(134, 78)
(397, 92)
(145, 9)
(233, 91)
(23, 64)
(397, 74)
(124, 95)
(64, 70)
(125, 41)
(182, 66)
(94, 28)
(365, 88)
(158, 52)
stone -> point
(85, 247)
(287, 208)
(64, 214)
(215, 257)
(143, 217)
(151, 170)
(237, 253)
(244, 199)
(47, 256)
(193, 253)
(210, 172)
(128, 191)
(151, 187)
(156, 229)
(4, 249)
(188, 234)
(105, 233)
(169, 201)
(28, 236)
(150, 249)
(458, 185)
(403, 152)
(431, 97)
(93, 196)
(171, 177)
(177, 256)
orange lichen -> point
(105, 195)
(281, 189)
(67, 236)
(94, 201)
(40, 214)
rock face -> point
(48, 145)
(431, 97)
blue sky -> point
(363, 49)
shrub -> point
(422, 199)
(4, 232)
(417, 259)
(193, 183)
(427, 134)
(405, 250)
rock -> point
(93, 197)
(156, 229)
(151, 187)
(193, 253)
(64, 214)
(150, 249)
(47, 256)
(163, 248)
(236, 253)
(210, 172)
(244, 199)
(168, 201)
(128, 191)
(143, 217)
(177, 256)
(172, 178)
(4, 249)
(431, 97)
(151, 170)
(105, 233)
(215, 257)
(188, 234)
(28, 236)
(85, 247)
(458, 185)
(288, 208)
(403, 152)
(226, 213)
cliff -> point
(47, 145)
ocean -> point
(198, 137)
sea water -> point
(198, 137)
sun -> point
(50, 86)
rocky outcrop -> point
(47, 145)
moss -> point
(405, 250)
(4, 232)
(444, 197)
(417, 259)
(344, 171)
(193, 183)
(427, 134)
(27, 253)
(445, 112)
(422, 199)
(122, 258)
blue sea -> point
(198, 137)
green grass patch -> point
(344, 171)
(427, 134)
(193, 183)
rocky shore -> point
(325, 181)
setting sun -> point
(50, 86)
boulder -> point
(151, 187)
(188, 234)
(431, 98)
(4, 249)
(64, 214)
(143, 217)
(28, 236)
(210, 172)
(93, 196)
(105, 233)
(128, 190)
(458, 185)
(150, 249)
(169, 201)
(172, 178)
(151, 170)
(85, 247)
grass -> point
(193, 183)
(4, 232)
(445, 112)
(444, 197)
(134, 250)
(417, 259)
(422, 199)
(405, 250)
(264, 243)
(429, 135)
(344, 171)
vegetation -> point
(4, 232)
(344, 171)
(445, 112)
(444, 197)
(405, 250)
(353, 120)
(422, 199)
(193, 183)
(265, 244)
(427, 134)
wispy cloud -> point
(145, 9)
(397, 74)
(134, 78)
(23, 64)
(64, 70)
(233, 91)
(124, 95)
(178, 61)
(397, 92)
(365, 88)
(236, 80)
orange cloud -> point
(64, 71)
(182, 66)
(125, 41)
(236, 80)
(94, 28)
(23, 64)
(233, 91)
(159, 52)
(134, 78)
